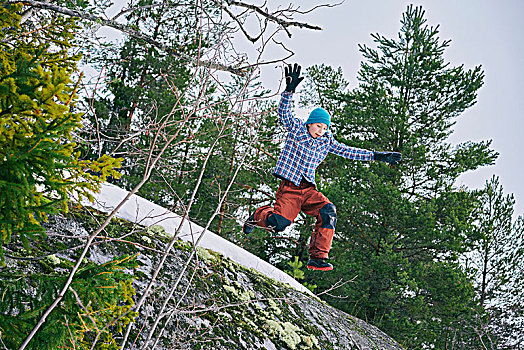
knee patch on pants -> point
(328, 213)
(277, 222)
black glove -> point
(292, 77)
(388, 157)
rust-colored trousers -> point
(290, 200)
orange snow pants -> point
(290, 200)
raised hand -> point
(388, 157)
(293, 77)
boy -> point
(307, 144)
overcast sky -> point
(483, 32)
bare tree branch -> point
(131, 32)
(337, 285)
(274, 18)
(217, 211)
(133, 9)
(112, 23)
(318, 6)
(240, 24)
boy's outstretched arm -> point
(349, 152)
(293, 78)
(363, 154)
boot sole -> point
(320, 268)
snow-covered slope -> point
(146, 213)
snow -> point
(141, 211)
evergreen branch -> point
(131, 32)
(75, 88)
(29, 33)
(364, 236)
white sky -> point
(483, 32)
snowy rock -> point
(139, 210)
(226, 299)
(221, 304)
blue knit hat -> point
(319, 115)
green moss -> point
(157, 230)
(53, 260)
(289, 334)
(274, 307)
(205, 255)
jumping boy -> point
(307, 145)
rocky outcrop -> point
(219, 304)
(226, 299)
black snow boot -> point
(249, 225)
(319, 264)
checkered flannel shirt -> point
(302, 154)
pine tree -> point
(40, 166)
(147, 87)
(497, 260)
(402, 228)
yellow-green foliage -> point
(97, 305)
(298, 274)
(295, 271)
(39, 161)
(116, 314)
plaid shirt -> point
(302, 154)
